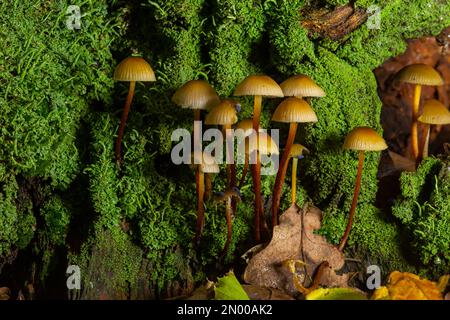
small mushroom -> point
(203, 163)
(291, 110)
(434, 112)
(258, 86)
(297, 152)
(131, 69)
(419, 75)
(228, 196)
(224, 114)
(245, 125)
(361, 139)
(301, 86)
(264, 146)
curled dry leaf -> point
(264, 293)
(4, 293)
(294, 239)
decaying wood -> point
(333, 24)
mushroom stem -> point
(256, 175)
(123, 120)
(414, 125)
(226, 131)
(257, 112)
(200, 207)
(244, 172)
(294, 181)
(229, 227)
(281, 173)
(354, 202)
(427, 142)
(208, 186)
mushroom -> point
(361, 139)
(245, 125)
(434, 112)
(301, 86)
(130, 69)
(418, 74)
(228, 196)
(203, 163)
(291, 110)
(297, 151)
(224, 114)
(258, 86)
(257, 145)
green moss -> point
(424, 209)
(57, 217)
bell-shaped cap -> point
(364, 139)
(266, 144)
(420, 74)
(301, 86)
(434, 112)
(196, 94)
(298, 150)
(258, 85)
(245, 125)
(134, 69)
(222, 114)
(294, 110)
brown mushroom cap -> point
(266, 144)
(206, 162)
(294, 110)
(301, 86)
(297, 150)
(134, 69)
(434, 112)
(258, 85)
(195, 94)
(222, 114)
(420, 74)
(246, 125)
(364, 139)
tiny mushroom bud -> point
(131, 69)
(297, 152)
(361, 139)
(434, 112)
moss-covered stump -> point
(64, 200)
(424, 209)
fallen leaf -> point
(4, 293)
(264, 293)
(294, 239)
(408, 286)
(205, 292)
(336, 294)
(229, 288)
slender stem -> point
(256, 171)
(200, 207)
(414, 124)
(244, 172)
(257, 112)
(427, 142)
(123, 121)
(281, 173)
(229, 226)
(354, 202)
(229, 152)
(294, 180)
(208, 186)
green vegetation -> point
(60, 113)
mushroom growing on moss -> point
(203, 163)
(434, 112)
(291, 110)
(130, 69)
(419, 75)
(228, 196)
(301, 86)
(361, 139)
(258, 144)
(297, 152)
(224, 114)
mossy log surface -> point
(64, 200)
